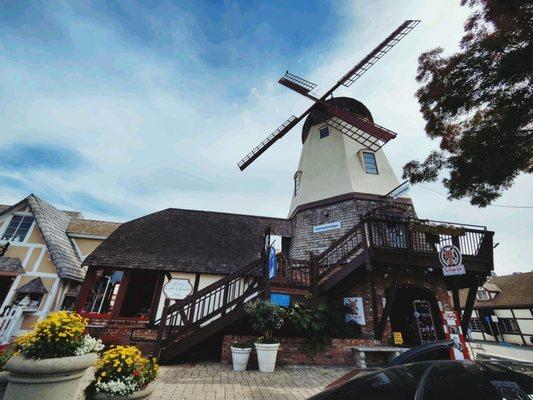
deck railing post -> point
(313, 269)
(163, 324)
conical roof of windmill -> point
(318, 114)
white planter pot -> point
(47, 379)
(139, 395)
(240, 358)
(266, 356)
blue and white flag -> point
(272, 262)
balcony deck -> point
(415, 242)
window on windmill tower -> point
(324, 132)
(297, 180)
(369, 162)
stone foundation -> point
(293, 352)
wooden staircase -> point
(193, 319)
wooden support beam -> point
(391, 294)
(456, 300)
(469, 306)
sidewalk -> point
(205, 381)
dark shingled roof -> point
(188, 241)
(33, 286)
(11, 264)
(514, 291)
(318, 115)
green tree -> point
(479, 102)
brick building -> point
(174, 280)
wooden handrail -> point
(213, 286)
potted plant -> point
(266, 318)
(6, 352)
(123, 373)
(240, 354)
(51, 360)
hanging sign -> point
(177, 289)
(354, 310)
(327, 227)
(451, 260)
(400, 190)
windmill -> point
(361, 130)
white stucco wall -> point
(332, 166)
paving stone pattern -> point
(218, 381)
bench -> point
(360, 356)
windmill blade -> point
(370, 135)
(269, 141)
(367, 62)
(299, 85)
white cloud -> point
(159, 132)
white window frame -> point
(362, 158)
(483, 295)
(297, 182)
(8, 223)
(320, 131)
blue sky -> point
(123, 108)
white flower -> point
(89, 345)
(117, 387)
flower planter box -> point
(138, 395)
(240, 357)
(46, 379)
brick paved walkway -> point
(206, 381)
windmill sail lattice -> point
(366, 63)
(370, 135)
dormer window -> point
(482, 295)
(369, 162)
(18, 228)
(297, 180)
(324, 132)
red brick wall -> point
(293, 351)
(125, 332)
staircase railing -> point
(293, 273)
(184, 316)
(342, 251)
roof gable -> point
(53, 224)
(514, 291)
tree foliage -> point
(479, 102)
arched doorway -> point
(415, 314)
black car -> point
(436, 380)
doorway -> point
(415, 314)
(5, 285)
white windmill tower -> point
(343, 172)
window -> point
(508, 325)
(103, 293)
(482, 295)
(475, 325)
(18, 228)
(369, 161)
(297, 180)
(324, 132)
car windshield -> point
(445, 380)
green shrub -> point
(5, 354)
(312, 321)
(265, 318)
(245, 344)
